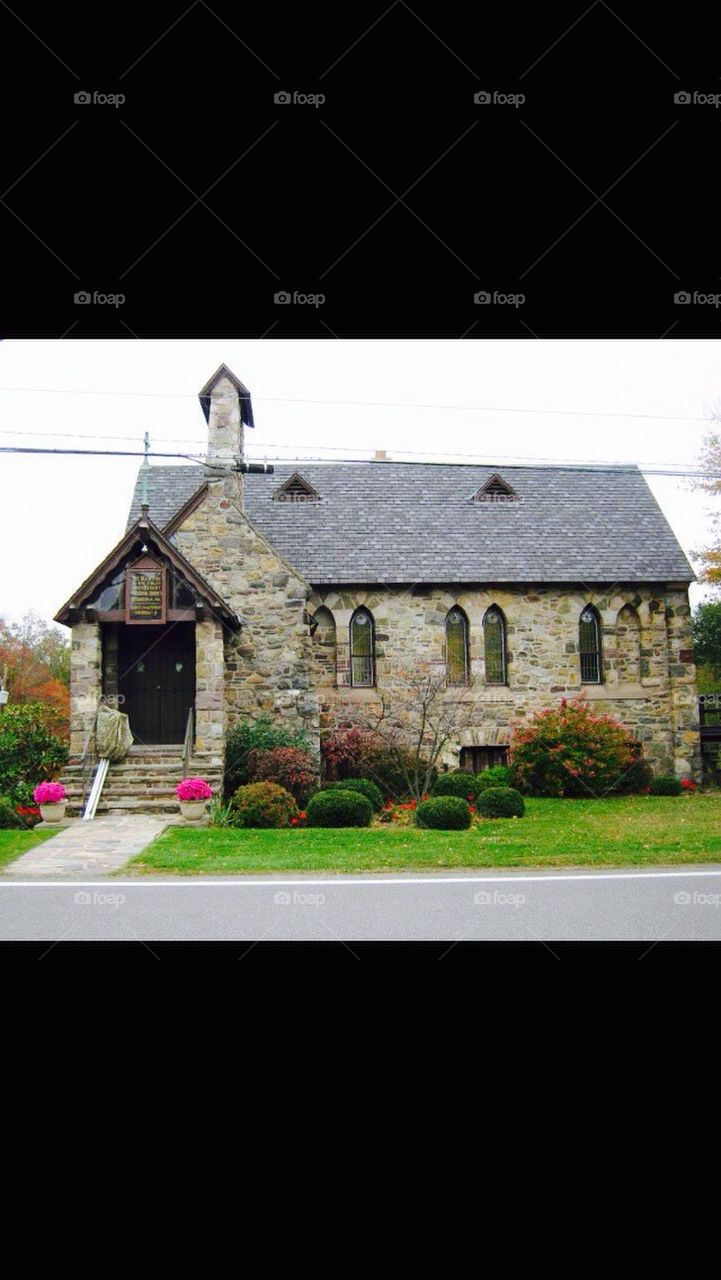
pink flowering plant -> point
(193, 789)
(571, 751)
(49, 793)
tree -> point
(37, 657)
(709, 462)
(418, 716)
(706, 623)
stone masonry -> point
(267, 668)
(649, 678)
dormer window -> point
(496, 490)
(296, 489)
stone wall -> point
(86, 673)
(267, 667)
(649, 676)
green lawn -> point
(13, 843)
(635, 830)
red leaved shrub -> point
(571, 751)
(290, 767)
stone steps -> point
(144, 782)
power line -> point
(382, 404)
(197, 460)
(408, 453)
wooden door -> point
(156, 676)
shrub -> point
(193, 789)
(335, 807)
(362, 785)
(8, 816)
(290, 767)
(688, 784)
(263, 804)
(456, 784)
(249, 735)
(31, 749)
(444, 813)
(221, 815)
(665, 785)
(499, 775)
(341, 751)
(638, 776)
(501, 802)
(570, 751)
(358, 753)
(49, 793)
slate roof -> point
(416, 522)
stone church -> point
(306, 591)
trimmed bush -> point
(8, 816)
(364, 786)
(290, 767)
(263, 804)
(501, 802)
(459, 784)
(444, 813)
(335, 807)
(499, 775)
(665, 785)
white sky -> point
(59, 516)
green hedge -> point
(501, 802)
(335, 807)
(665, 785)
(499, 775)
(456, 784)
(262, 804)
(364, 786)
(444, 813)
(8, 816)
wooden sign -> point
(145, 592)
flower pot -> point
(192, 810)
(53, 812)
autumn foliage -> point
(570, 751)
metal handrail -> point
(188, 741)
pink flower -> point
(193, 789)
(49, 793)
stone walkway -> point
(89, 848)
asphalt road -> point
(654, 905)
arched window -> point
(589, 645)
(457, 665)
(628, 645)
(494, 645)
(362, 649)
(324, 645)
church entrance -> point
(156, 679)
